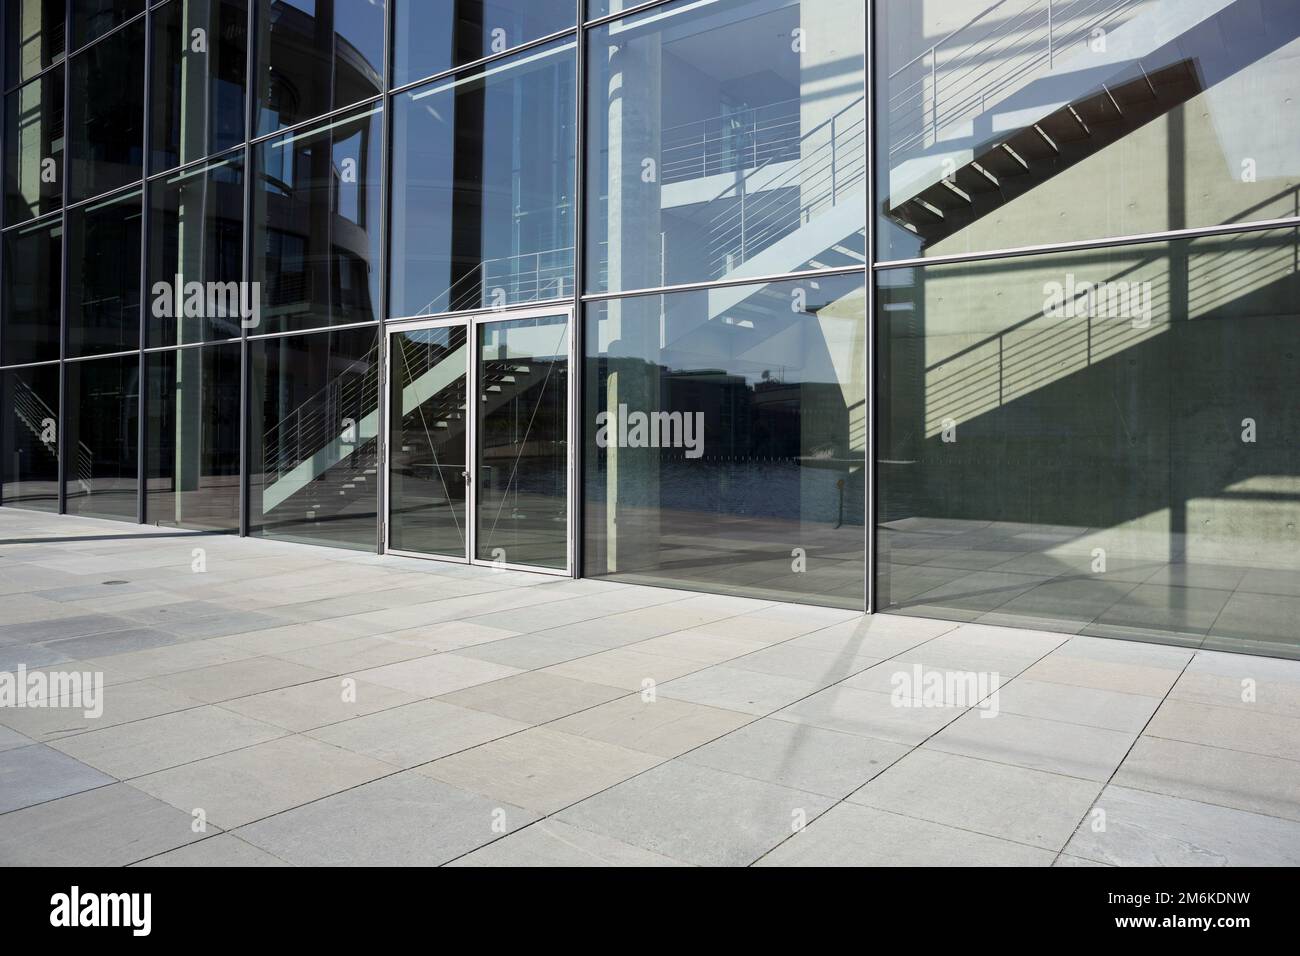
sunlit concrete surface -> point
(267, 703)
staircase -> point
(33, 413)
(1029, 88)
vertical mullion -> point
(873, 395)
(61, 446)
(577, 331)
(141, 383)
(385, 259)
(245, 370)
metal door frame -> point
(471, 323)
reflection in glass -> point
(34, 38)
(1081, 121)
(316, 209)
(101, 437)
(725, 140)
(104, 276)
(192, 438)
(29, 322)
(725, 436)
(433, 36)
(314, 422)
(196, 248)
(34, 148)
(94, 18)
(106, 114)
(483, 176)
(522, 458)
(429, 426)
(1104, 443)
(29, 429)
(316, 56)
(200, 57)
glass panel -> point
(192, 438)
(29, 325)
(34, 37)
(104, 276)
(1025, 125)
(725, 139)
(314, 422)
(725, 432)
(106, 114)
(101, 437)
(433, 36)
(196, 256)
(200, 58)
(427, 465)
(316, 238)
(94, 18)
(483, 179)
(1104, 443)
(34, 148)
(316, 56)
(523, 442)
(29, 429)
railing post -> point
(1051, 51)
(834, 194)
(934, 94)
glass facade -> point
(975, 310)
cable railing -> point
(986, 60)
(524, 277)
(744, 139)
(34, 413)
(829, 166)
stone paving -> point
(276, 704)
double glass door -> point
(480, 448)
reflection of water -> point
(769, 489)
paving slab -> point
(36, 773)
(660, 725)
(552, 843)
(852, 835)
(407, 819)
(698, 815)
(417, 733)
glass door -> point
(428, 431)
(522, 445)
(486, 480)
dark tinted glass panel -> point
(725, 432)
(522, 430)
(200, 58)
(483, 176)
(1105, 443)
(34, 148)
(101, 437)
(192, 438)
(316, 225)
(316, 56)
(1028, 123)
(94, 18)
(314, 466)
(725, 139)
(106, 106)
(104, 276)
(34, 37)
(196, 256)
(428, 430)
(435, 35)
(29, 429)
(29, 324)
